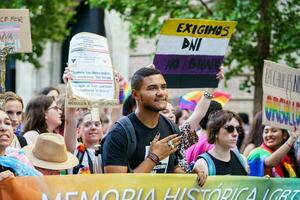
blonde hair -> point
(11, 96)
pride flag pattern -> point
(190, 100)
(190, 52)
(257, 167)
(125, 92)
(281, 96)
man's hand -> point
(163, 148)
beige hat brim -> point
(69, 163)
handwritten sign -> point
(281, 98)
(15, 30)
(92, 72)
(190, 52)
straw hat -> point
(50, 152)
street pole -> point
(3, 53)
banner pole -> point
(3, 53)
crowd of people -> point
(145, 134)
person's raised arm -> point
(200, 110)
(70, 119)
(70, 129)
(203, 104)
(275, 158)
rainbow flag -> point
(257, 167)
(127, 90)
(190, 100)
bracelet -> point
(153, 157)
(208, 95)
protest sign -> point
(148, 186)
(281, 96)
(190, 52)
(15, 30)
(93, 81)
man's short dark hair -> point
(139, 75)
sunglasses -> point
(230, 129)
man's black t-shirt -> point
(115, 145)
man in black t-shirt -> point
(156, 144)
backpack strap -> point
(80, 158)
(240, 158)
(22, 141)
(131, 137)
(210, 163)
(90, 162)
(174, 128)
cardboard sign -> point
(15, 30)
(93, 80)
(190, 51)
(281, 98)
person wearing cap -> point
(49, 154)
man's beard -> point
(152, 108)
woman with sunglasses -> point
(275, 157)
(223, 130)
(42, 115)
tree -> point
(267, 29)
(48, 18)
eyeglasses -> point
(54, 107)
(230, 129)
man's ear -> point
(135, 94)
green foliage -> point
(283, 27)
(267, 29)
(48, 19)
(146, 16)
